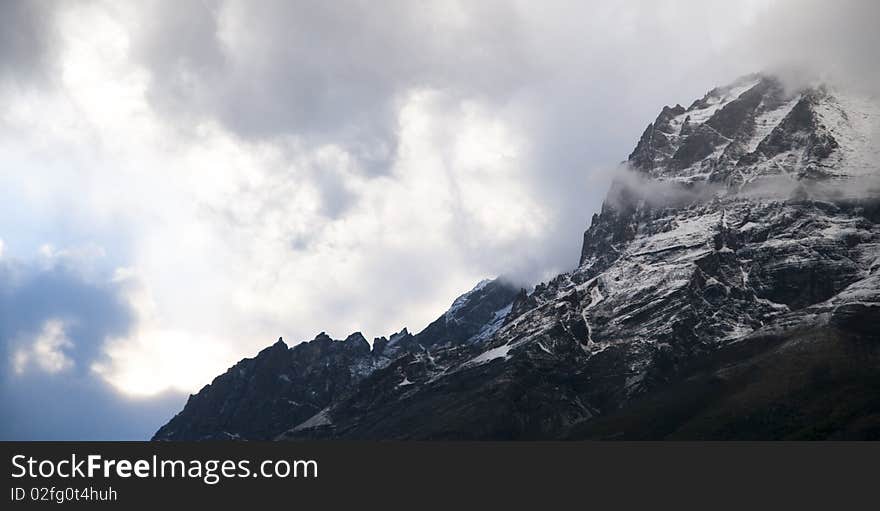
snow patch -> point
(766, 121)
(489, 355)
(321, 418)
(493, 326)
(596, 296)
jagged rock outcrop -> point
(728, 288)
(261, 397)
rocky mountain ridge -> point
(729, 288)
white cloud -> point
(45, 351)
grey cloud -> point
(336, 197)
(26, 40)
(335, 72)
(78, 407)
(30, 295)
(73, 403)
(809, 39)
(325, 71)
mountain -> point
(729, 288)
(261, 397)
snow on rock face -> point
(490, 355)
(755, 128)
(854, 122)
(490, 328)
(659, 282)
(318, 420)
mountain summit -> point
(728, 289)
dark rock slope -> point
(729, 288)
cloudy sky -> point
(181, 182)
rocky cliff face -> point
(729, 288)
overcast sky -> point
(181, 182)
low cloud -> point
(631, 187)
(807, 40)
